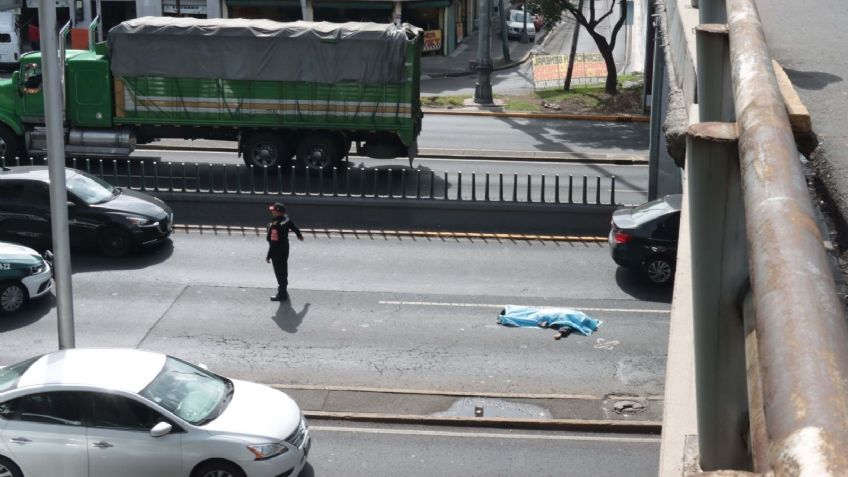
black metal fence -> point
(374, 183)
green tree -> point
(553, 10)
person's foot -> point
(275, 298)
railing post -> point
(719, 277)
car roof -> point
(127, 370)
(37, 173)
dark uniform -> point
(278, 251)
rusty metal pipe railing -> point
(800, 322)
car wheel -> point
(218, 469)
(318, 151)
(13, 296)
(115, 242)
(265, 149)
(659, 270)
(9, 469)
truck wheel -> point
(319, 150)
(265, 149)
(9, 145)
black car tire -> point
(218, 468)
(265, 149)
(659, 270)
(115, 242)
(13, 296)
(9, 468)
(10, 145)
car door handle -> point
(102, 445)
(20, 440)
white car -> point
(515, 24)
(24, 275)
(128, 413)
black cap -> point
(278, 206)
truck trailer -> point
(300, 90)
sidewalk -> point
(458, 63)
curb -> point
(582, 425)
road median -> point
(610, 413)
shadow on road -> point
(637, 286)
(307, 471)
(83, 261)
(287, 319)
(32, 312)
(584, 135)
(811, 79)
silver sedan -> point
(108, 412)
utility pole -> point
(54, 115)
(483, 90)
(574, 38)
(86, 12)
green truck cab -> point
(298, 90)
(24, 275)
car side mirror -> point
(71, 204)
(161, 429)
(203, 366)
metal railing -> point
(771, 341)
(371, 183)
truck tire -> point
(10, 145)
(265, 149)
(317, 151)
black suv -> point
(112, 219)
(644, 238)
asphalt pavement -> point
(808, 40)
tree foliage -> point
(552, 10)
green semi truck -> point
(299, 90)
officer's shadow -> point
(287, 319)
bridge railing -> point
(770, 334)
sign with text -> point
(549, 70)
(433, 40)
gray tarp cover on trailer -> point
(240, 49)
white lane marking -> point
(410, 432)
(491, 305)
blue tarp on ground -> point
(553, 318)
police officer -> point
(278, 247)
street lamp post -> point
(483, 89)
(524, 37)
(54, 119)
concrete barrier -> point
(393, 214)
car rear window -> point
(10, 375)
(651, 211)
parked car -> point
(24, 275)
(132, 413)
(644, 238)
(515, 24)
(113, 219)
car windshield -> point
(519, 17)
(89, 189)
(189, 392)
(650, 211)
(10, 375)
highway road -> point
(356, 450)
(378, 311)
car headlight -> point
(266, 451)
(41, 267)
(140, 221)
